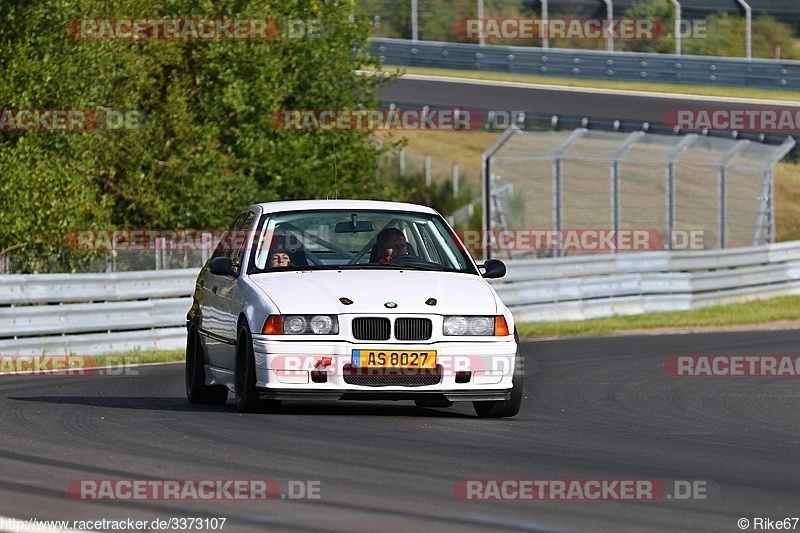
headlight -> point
(322, 325)
(475, 325)
(294, 325)
(307, 324)
(301, 325)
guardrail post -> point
(722, 205)
(685, 143)
(558, 153)
(615, 157)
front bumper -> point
(466, 370)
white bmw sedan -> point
(352, 300)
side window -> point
(240, 242)
(224, 247)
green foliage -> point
(656, 10)
(208, 148)
(392, 18)
(726, 37)
(722, 35)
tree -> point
(661, 13)
(208, 147)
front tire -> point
(510, 407)
(245, 372)
(197, 392)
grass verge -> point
(698, 90)
(140, 357)
(774, 310)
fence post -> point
(609, 18)
(161, 244)
(769, 189)
(427, 170)
(402, 162)
(771, 207)
(558, 153)
(677, 26)
(615, 157)
(455, 179)
(486, 190)
(414, 21)
(685, 143)
(722, 174)
(205, 246)
(545, 26)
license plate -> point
(394, 358)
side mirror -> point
(222, 266)
(494, 268)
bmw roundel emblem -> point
(390, 305)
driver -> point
(391, 244)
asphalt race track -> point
(545, 101)
(601, 408)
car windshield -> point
(356, 239)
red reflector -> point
(273, 325)
(324, 362)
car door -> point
(227, 296)
(214, 326)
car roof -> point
(313, 205)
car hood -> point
(319, 291)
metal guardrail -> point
(91, 314)
(590, 64)
(53, 313)
(577, 288)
